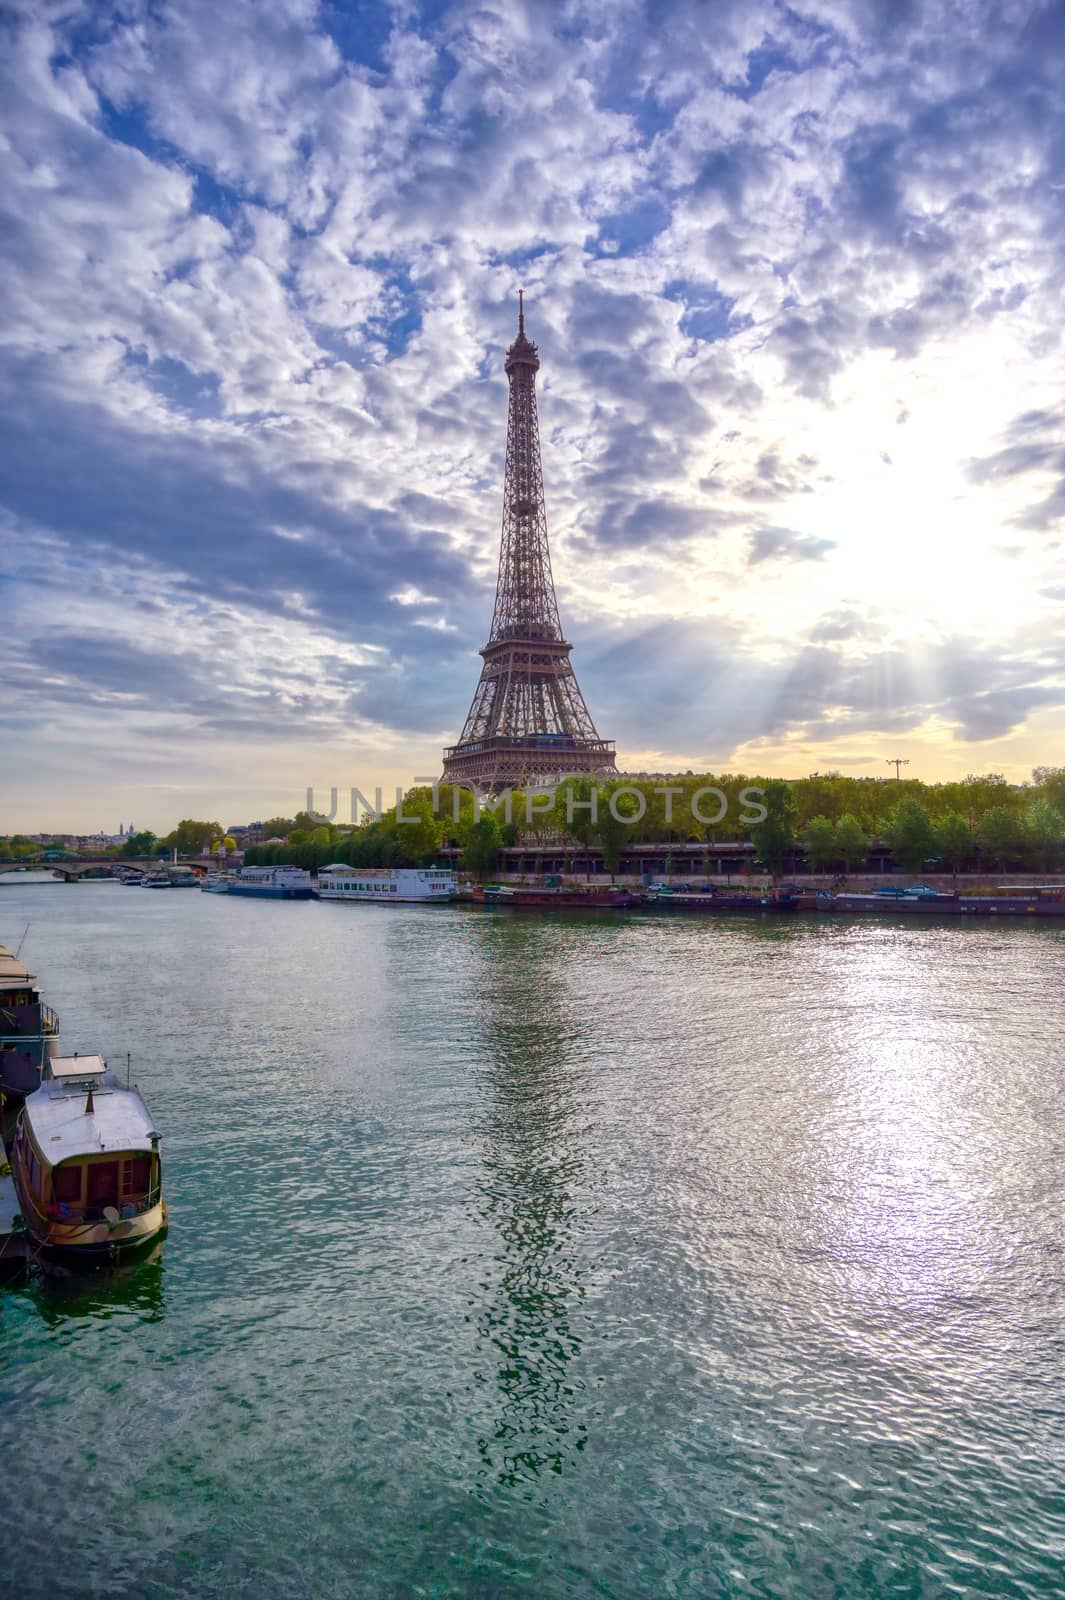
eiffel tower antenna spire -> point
(528, 722)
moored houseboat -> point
(554, 893)
(273, 883)
(86, 1164)
(29, 1030)
(713, 901)
(387, 885)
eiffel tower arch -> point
(528, 723)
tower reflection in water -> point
(532, 1191)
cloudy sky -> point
(796, 275)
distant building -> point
(246, 834)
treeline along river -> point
(553, 1256)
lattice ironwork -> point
(528, 721)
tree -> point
(420, 832)
(819, 843)
(1052, 782)
(910, 834)
(819, 795)
(852, 842)
(481, 844)
(954, 840)
(1044, 833)
(774, 837)
(983, 791)
(140, 844)
(574, 815)
(278, 827)
(616, 827)
(593, 822)
(190, 837)
(1000, 834)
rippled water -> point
(519, 1256)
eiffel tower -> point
(528, 722)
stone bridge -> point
(73, 871)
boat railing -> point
(17, 1041)
(60, 1211)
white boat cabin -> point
(386, 885)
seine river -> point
(553, 1257)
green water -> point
(553, 1257)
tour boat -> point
(85, 1160)
(214, 883)
(274, 883)
(386, 885)
(29, 1031)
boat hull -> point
(96, 1240)
(391, 899)
(21, 1067)
(944, 906)
(520, 899)
(270, 892)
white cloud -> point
(258, 292)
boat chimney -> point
(89, 1107)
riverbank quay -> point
(14, 1243)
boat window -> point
(103, 1183)
(136, 1175)
(66, 1184)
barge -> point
(1041, 900)
(553, 894)
(714, 902)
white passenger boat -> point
(386, 885)
(215, 883)
(85, 1161)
